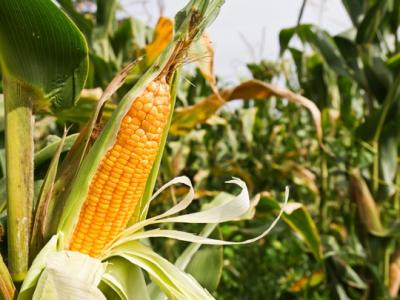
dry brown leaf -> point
(307, 281)
(92, 93)
(301, 175)
(163, 33)
(187, 118)
(202, 52)
(394, 275)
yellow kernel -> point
(137, 104)
(140, 132)
(150, 118)
(154, 111)
(141, 114)
(147, 107)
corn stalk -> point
(19, 163)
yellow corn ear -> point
(119, 181)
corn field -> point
(130, 171)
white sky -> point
(247, 30)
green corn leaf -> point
(84, 24)
(43, 50)
(206, 266)
(297, 217)
(355, 9)
(320, 40)
(369, 26)
(105, 16)
(83, 110)
(48, 152)
(350, 53)
(379, 78)
(393, 62)
(44, 63)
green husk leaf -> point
(174, 282)
(125, 279)
(189, 253)
(45, 205)
(89, 164)
(74, 158)
(70, 275)
(57, 274)
(234, 209)
(107, 137)
(168, 278)
(38, 265)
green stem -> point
(19, 177)
(375, 168)
(387, 104)
(396, 198)
(324, 187)
(7, 288)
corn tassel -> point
(120, 179)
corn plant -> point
(357, 72)
(81, 236)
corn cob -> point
(119, 181)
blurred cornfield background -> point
(336, 147)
